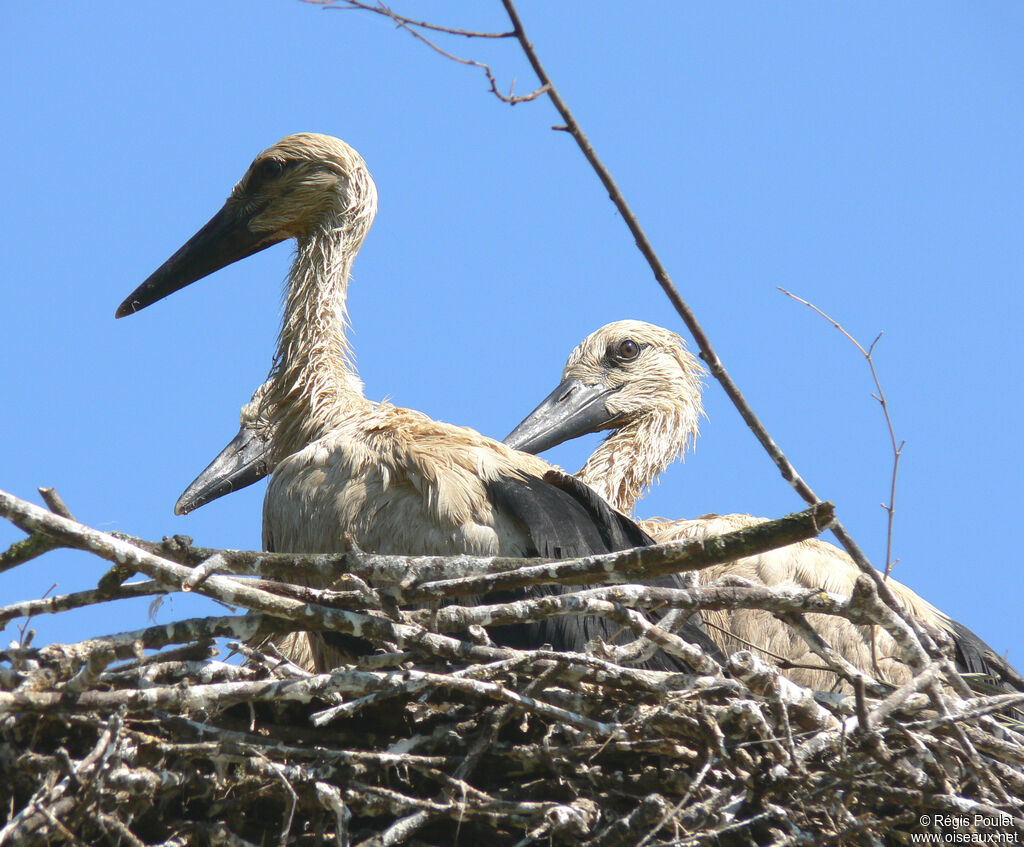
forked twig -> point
(897, 448)
(382, 9)
(413, 27)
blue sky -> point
(866, 157)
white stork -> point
(392, 479)
(639, 381)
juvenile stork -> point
(639, 381)
(392, 479)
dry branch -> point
(407, 578)
(897, 447)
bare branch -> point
(55, 503)
(409, 578)
(25, 550)
(381, 9)
(897, 447)
(35, 545)
(76, 600)
(413, 27)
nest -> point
(441, 738)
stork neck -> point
(633, 456)
(315, 381)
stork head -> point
(626, 372)
(304, 182)
(246, 458)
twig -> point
(78, 599)
(55, 503)
(36, 544)
(401, 829)
(418, 576)
(413, 26)
(25, 550)
(382, 9)
(660, 272)
(897, 448)
(641, 563)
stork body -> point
(390, 479)
(638, 380)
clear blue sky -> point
(867, 157)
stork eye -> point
(627, 350)
(268, 168)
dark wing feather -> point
(621, 533)
(562, 517)
(617, 531)
(565, 519)
(970, 657)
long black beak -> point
(226, 238)
(240, 464)
(571, 410)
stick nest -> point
(439, 738)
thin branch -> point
(55, 503)
(413, 26)
(413, 579)
(382, 9)
(25, 550)
(642, 563)
(36, 544)
(661, 274)
(897, 447)
(78, 599)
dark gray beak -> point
(226, 238)
(240, 464)
(571, 410)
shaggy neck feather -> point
(316, 385)
(632, 457)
